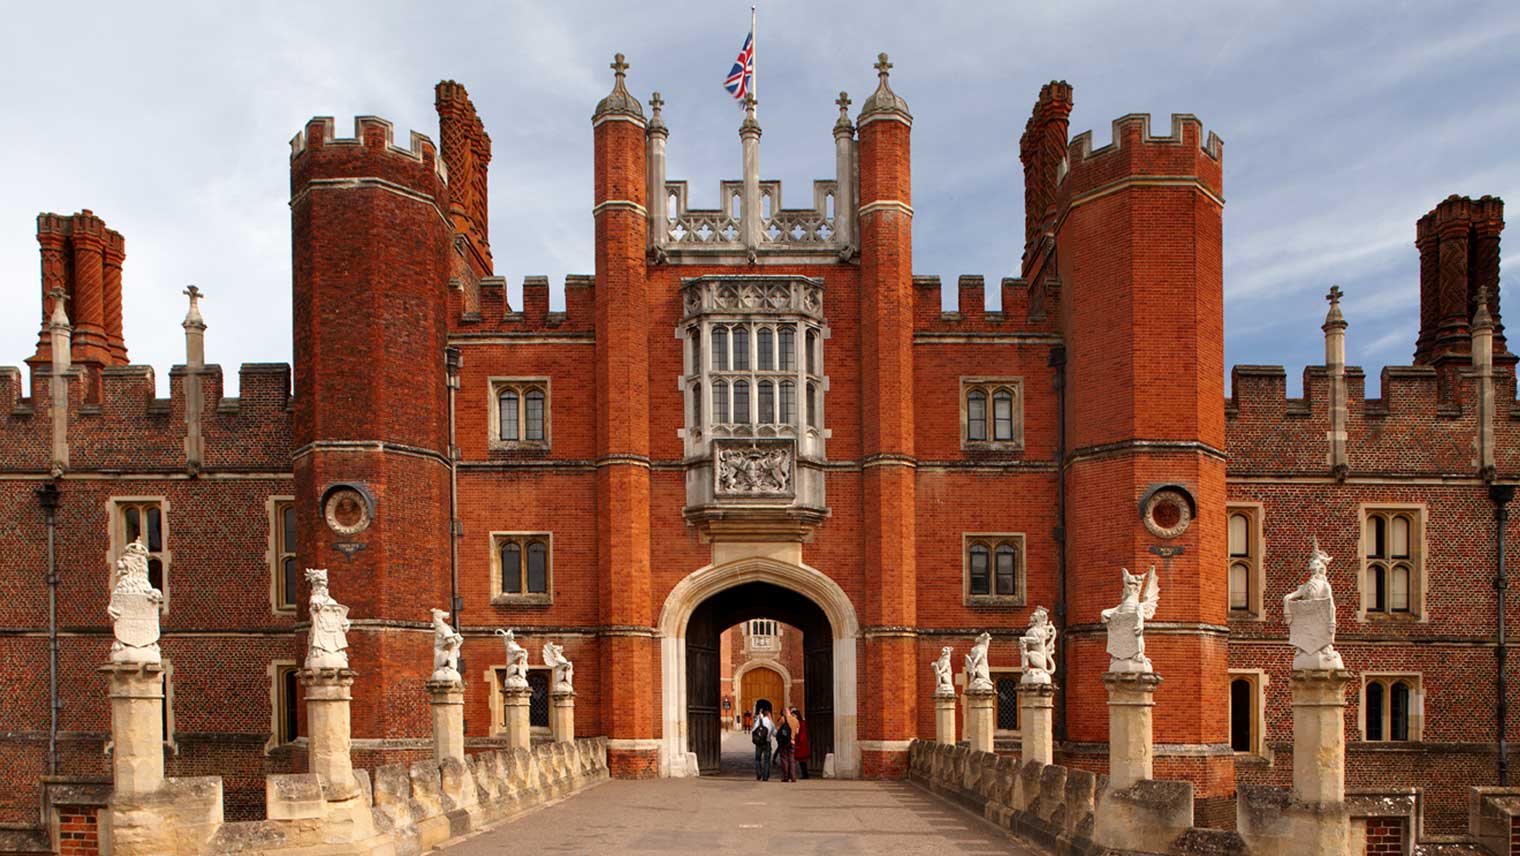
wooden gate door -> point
(818, 683)
(762, 683)
(703, 713)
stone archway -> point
(691, 593)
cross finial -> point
(882, 65)
(656, 102)
(843, 101)
(619, 67)
(1335, 294)
(193, 292)
(57, 293)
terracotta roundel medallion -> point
(347, 511)
(1167, 513)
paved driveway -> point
(735, 814)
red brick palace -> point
(755, 411)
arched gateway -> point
(713, 598)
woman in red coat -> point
(801, 751)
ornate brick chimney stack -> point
(83, 259)
(1042, 149)
(1459, 258)
(466, 151)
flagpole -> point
(754, 80)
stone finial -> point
(1037, 649)
(1126, 622)
(60, 316)
(978, 676)
(1482, 320)
(327, 644)
(843, 123)
(619, 101)
(1334, 320)
(655, 122)
(750, 123)
(446, 644)
(944, 683)
(134, 609)
(564, 670)
(1309, 612)
(193, 316)
(884, 100)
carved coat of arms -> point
(1313, 625)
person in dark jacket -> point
(800, 749)
(784, 731)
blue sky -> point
(1342, 124)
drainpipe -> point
(453, 360)
(47, 497)
(1501, 494)
(1058, 362)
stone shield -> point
(1122, 641)
(137, 625)
(1313, 624)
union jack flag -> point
(741, 78)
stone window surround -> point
(492, 677)
(1256, 585)
(118, 529)
(1020, 578)
(275, 670)
(1259, 679)
(804, 418)
(495, 386)
(1416, 706)
(996, 673)
(272, 554)
(1417, 583)
(989, 384)
(500, 598)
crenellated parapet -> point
(318, 154)
(127, 428)
(1184, 157)
(971, 314)
(496, 315)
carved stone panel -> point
(754, 470)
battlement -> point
(1413, 427)
(370, 133)
(496, 315)
(1134, 150)
(130, 429)
(971, 314)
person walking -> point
(788, 762)
(761, 736)
(800, 749)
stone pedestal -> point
(1131, 695)
(980, 722)
(514, 702)
(1319, 735)
(1036, 722)
(328, 694)
(137, 727)
(447, 699)
(944, 719)
(562, 716)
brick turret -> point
(622, 425)
(371, 262)
(890, 709)
(1140, 262)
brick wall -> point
(1385, 836)
(78, 830)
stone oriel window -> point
(282, 553)
(1392, 560)
(992, 413)
(522, 567)
(146, 518)
(1244, 560)
(1247, 722)
(519, 413)
(1393, 708)
(994, 569)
